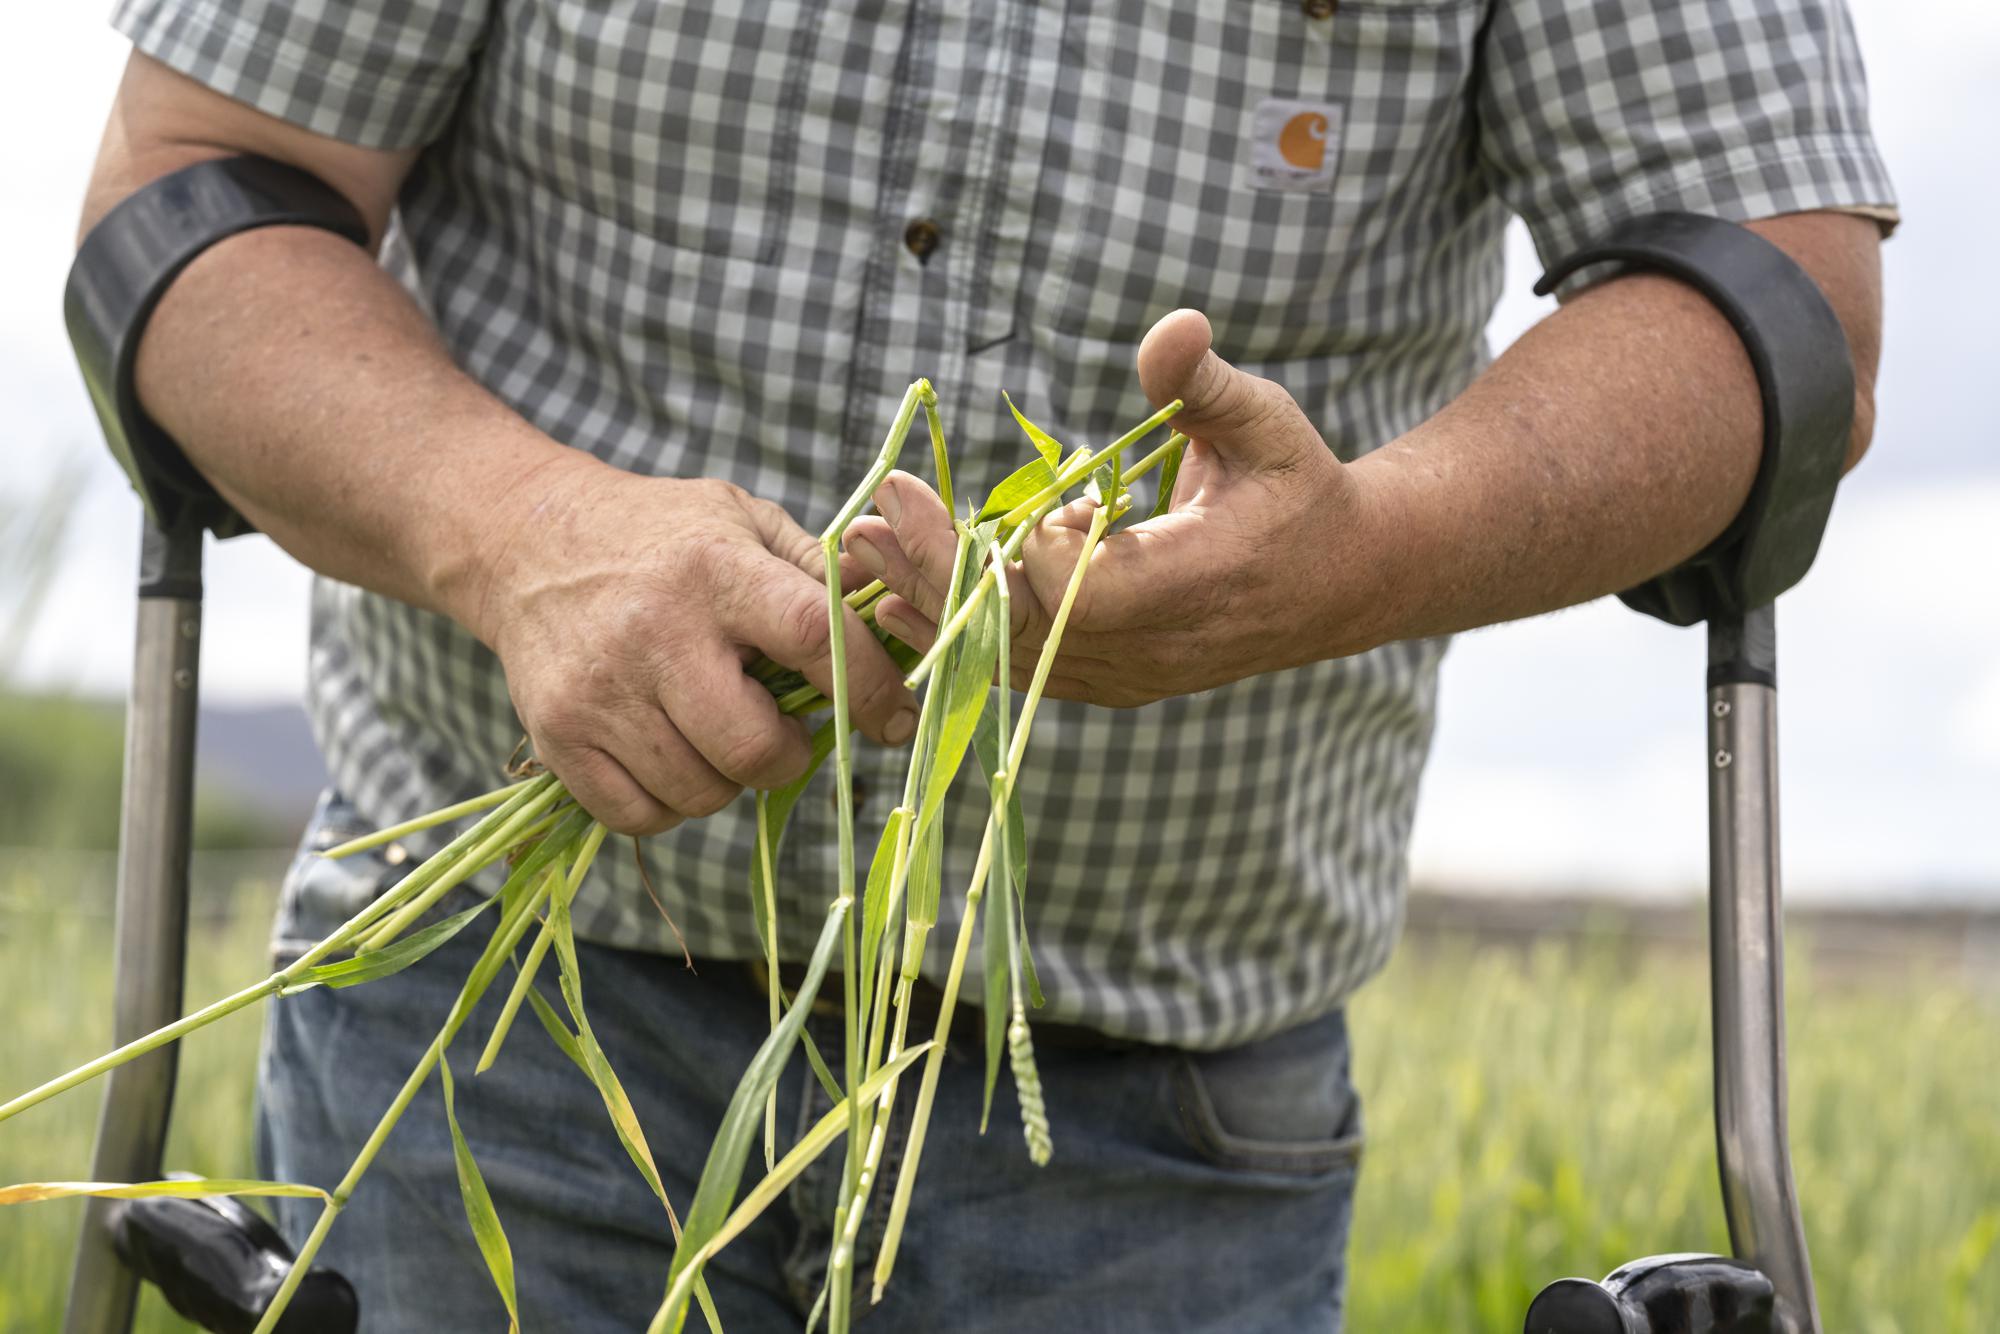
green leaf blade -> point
(723, 1171)
(1045, 444)
(970, 681)
(997, 932)
(624, 1119)
(778, 806)
(875, 894)
(32, 1192)
(484, 1219)
(558, 1031)
(1170, 471)
(1020, 487)
(388, 960)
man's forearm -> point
(1615, 439)
(315, 395)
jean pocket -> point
(319, 893)
(1283, 1105)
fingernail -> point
(887, 503)
(864, 551)
(901, 727)
(893, 623)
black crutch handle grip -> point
(1663, 1294)
(219, 1265)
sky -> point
(1570, 750)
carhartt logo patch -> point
(1294, 145)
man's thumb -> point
(1245, 419)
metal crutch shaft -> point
(155, 835)
(1747, 962)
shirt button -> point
(922, 237)
(1319, 9)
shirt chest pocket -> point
(675, 120)
(1243, 158)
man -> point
(656, 277)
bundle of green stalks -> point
(879, 928)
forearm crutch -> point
(1806, 380)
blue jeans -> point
(1190, 1192)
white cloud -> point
(1974, 729)
(1570, 748)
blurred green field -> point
(1533, 1113)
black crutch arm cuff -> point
(125, 266)
(1805, 375)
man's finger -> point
(603, 786)
(873, 545)
(783, 538)
(781, 612)
(651, 748)
(922, 528)
(781, 535)
(907, 621)
(1251, 423)
(1147, 576)
(733, 721)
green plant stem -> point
(153, 1041)
(885, 1262)
(843, 1257)
(880, 986)
(844, 797)
(489, 849)
(230, 1004)
(1081, 467)
(915, 930)
(892, 445)
(954, 624)
(484, 801)
(505, 937)
(465, 843)
(586, 854)
(766, 1192)
(899, 1207)
(362, 1161)
(940, 458)
(772, 984)
(1153, 460)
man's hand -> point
(625, 608)
(1612, 441)
(1261, 563)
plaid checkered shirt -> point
(674, 234)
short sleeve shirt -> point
(674, 234)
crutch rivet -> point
(183, 677)
(1723, 759)
(1721, 708)
(190, 628)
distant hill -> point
(264, 757)
(61, 761)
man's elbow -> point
(1864, 423)
(1843, 253)
(162, 120)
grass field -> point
(1533, 1113)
